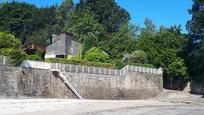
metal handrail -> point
(60, 75)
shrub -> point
(138, 56)
(76, 58)
(177, 68)
(34, 57)
(40, 53)
(118, 63)
(98, 64)
(8, 41)
(96, 55)
(16, 55)
(80, 62)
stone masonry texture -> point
(17, 82)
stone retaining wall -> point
(18, 82)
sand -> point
(168, 103)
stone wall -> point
(5, 60)
(131, 86)
(17, 82)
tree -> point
(88, 43)
(96, 55)
(195, 47)
(106, 12)
(9, 46)
(19, 19)
(83, 24)
(119, 43)
(63, 12)
(17, 55)
(8, 41)
(163, 49)
(26, 20)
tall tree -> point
(81, 24)
(106, 12)
(163, 49)
(119, 43)
(19, 19)
(25, 20)
(63, 12)
(196, 42)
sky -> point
(162, 12)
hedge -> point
(120, 64)
(80, 62)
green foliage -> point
(80, 62)
(38, 56)
(82, 25)
(33, 57)
(106, 12)
(63, 12)
(16, 55)
(163, 49)
(119, 43)
(177, 68)
(88, 43)
(9, 47)
(118, 63)
(94, 54)
(40, 53)
(195, 48)
(139, 64)
(76, 58)
(138, 56)
(27, 21)
(196, 64)
(8, 41)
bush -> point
(40, 53)
(16, 55)
(80, 62)
(76, 58)
(118, 63)
(177, 68)
(8, 41)
(96, 55)
(34, 57)
(138, 56)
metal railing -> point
(89, 70)
(67, 83)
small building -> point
(32, 48)
(62, 45)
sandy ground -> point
(167, 103)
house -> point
(62, 45)
(31, 49)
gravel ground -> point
(167, 103)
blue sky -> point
(162, 12)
